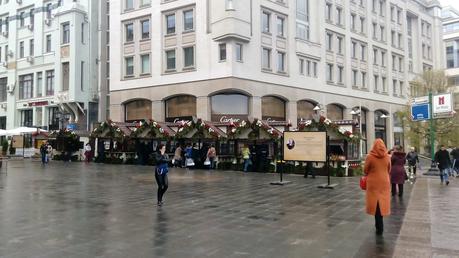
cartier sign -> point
(229, 118)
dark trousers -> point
(43, 158)
(162, 182)
(400, 189)
(413, 168)
(379, 224)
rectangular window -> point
(280, 62)
(129, 4)
(65, 76)
(383, 38)
(21, 19)
(329, 42)
(48, 10)
(82, 33)
(339, 16)
(328, 11)
(280, 26)
(145, 64)
(375, 56)
(145, 2)
(376, 83)
(314, 68)
(3, 89)
(21, 49)
(170, 23)
(238, 52)
(354, 49)
(27, 117)
(48, 43)
(266, 58)
(302, 10)
(308, 68)
(340, 74)
(401, 88)
(26, 86)
(39, 84)
(32, 17)
(50, 83)
(145, 29)
(352, 21)
(394, 63)
(188, 53)
(265, 22)
(170, 60)
(384, 86)
(400, 64)
(383, 58)
(31, 47)
(66, 33)
(222, 52)
(329, 72)
(354, 78)
(394, 87)
(129, 32)
(363, 52)
(364, 80)
(340, 45)
(301, 66)
(129, 65)
(82, 75)
(188, 23)
(362, 25)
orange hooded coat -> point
(377, 168)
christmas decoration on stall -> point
(152, 129)
(259, 125)
(328, 125)
(184, 128)
(108, 129)
(235, 129)
(203, 128)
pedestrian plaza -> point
(95, 210)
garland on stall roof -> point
(184, 128)
(235, 129)
(63, 133)
(326, 124)
(258, 125)
(111, 128)
(202, 126)
(153, 128)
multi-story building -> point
(271, 59)
(451, 38)
(49, 62)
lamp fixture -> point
(316, 108)
(384, 116)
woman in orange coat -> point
(377, 168)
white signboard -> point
(442, 104)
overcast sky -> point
(453, 3)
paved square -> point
(95, 210)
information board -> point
(305, 146)
(18, 141)
(420, 112)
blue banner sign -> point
(420, 112)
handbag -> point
(189, 162)
(207, 162)
(363, 183)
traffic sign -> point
(420, 112)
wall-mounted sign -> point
(442, 105)
(420, 112)
(229, 118)
(38, 103)
(178, 119)
(273, 119)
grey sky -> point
(453, 3)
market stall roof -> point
(24, 130)
(268, 127)
(162, 127)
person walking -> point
(211, 155)
(377, 169)
(246, 157)
(87, 152)
(455, 156)
(397, 172)
(413, 160)
(177, 156)
(443, 163)
(43, 153)
(161, 170)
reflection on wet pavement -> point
(94, 210)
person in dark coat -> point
(161, 170)
(397, 172)
(455, 157)
(412, 159)
(444, 163)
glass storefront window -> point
(181, 106)
(273, 108)
(334, 112)
(138, 110)
(235, 104)
(305, 110)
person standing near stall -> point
(211, 155)
(161, 170)
(377, 169)
(87, 152)
(43, 152)
(246, 157)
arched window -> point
(272, 109)
(231, 105)
(305, 110)
(138, 110)
(181, 107)
(334, 112)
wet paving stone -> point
(95, 210)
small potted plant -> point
(4, 147)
